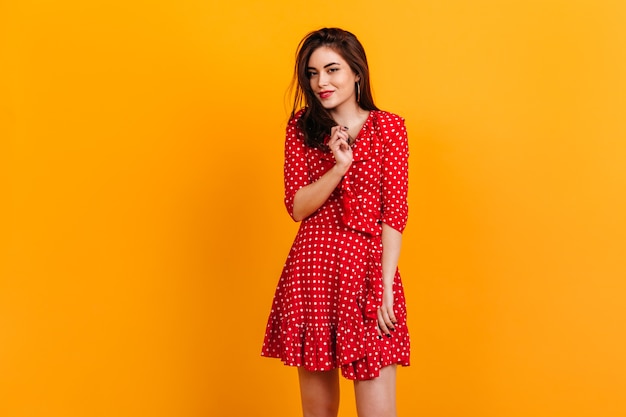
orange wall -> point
(141, 154)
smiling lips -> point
(325, 94)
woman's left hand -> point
(386, 317)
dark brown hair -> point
(316, 121)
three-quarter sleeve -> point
(296, 172)
(395, 175)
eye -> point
(333, 69)
(311, 73)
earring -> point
(358, 93)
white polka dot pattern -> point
(324, 310)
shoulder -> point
(388, 119)
(389, 124)
(294, 134)
(295, 118)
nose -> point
(322, 79)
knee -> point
(320, 410)
(319, 393)
(378, 411)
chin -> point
(327, 106)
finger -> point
(344, 133)
(341, 144)
(393, 319)
(387, 319)
(381, 323)
(338, 130)
(335, 142)
(346, 136)
(340, 137)
(392, 316)
(334, 136)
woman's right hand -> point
(339, 146)
(312, 196)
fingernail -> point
(388, 335)
(392, 329)
(379, 337)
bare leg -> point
(377, 397)
(319, 392)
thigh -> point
(319, 392)
(377, 397)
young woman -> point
(339, 303)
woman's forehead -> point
(325, 55)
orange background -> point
(144, 229)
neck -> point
(348, 115)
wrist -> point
(340, 171)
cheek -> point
(313, 84)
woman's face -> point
(332, 80)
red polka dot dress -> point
(324, 310)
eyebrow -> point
(326, 66)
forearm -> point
(311, 197)
(392, 242)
